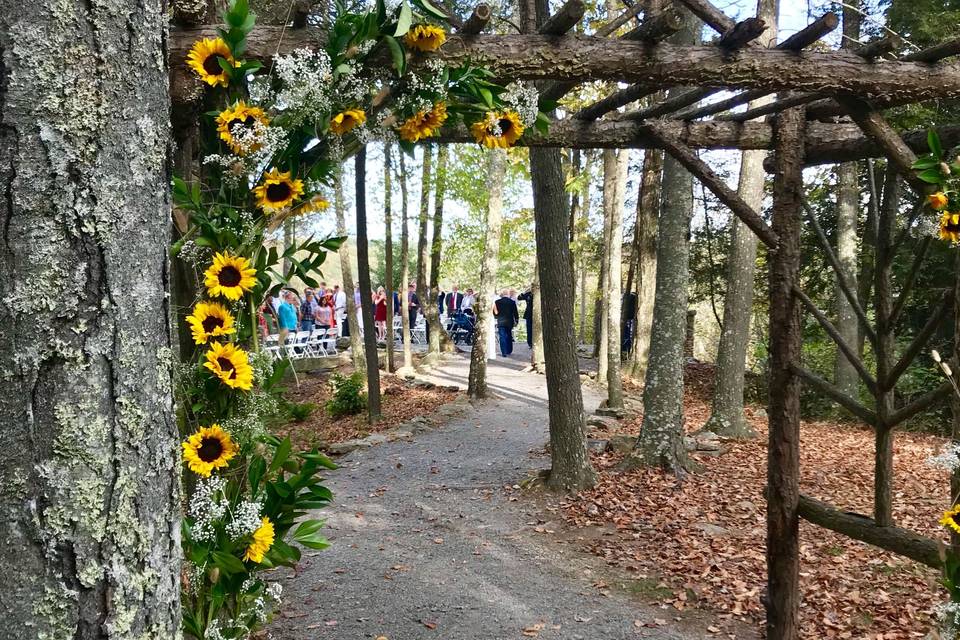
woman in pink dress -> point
(380, 313)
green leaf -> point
(227, 562)
(933, 141)
(429, 8)
(487, 96)
(281, 455)
(404, 20)
(925, 162)
(396, 52)
(933, 176)
(257, 470)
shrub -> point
(348, 396)
(299, 411)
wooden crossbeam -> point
(711, 15)
(614, 101)
(564, 19)
(936, 52)
(831, 391)
(920, 341)
(721, 105)
(657, 27)
(477, 21)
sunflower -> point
(423, 124)
(229, 276)
(498, 129)
(949, 518)
(247, 117)
(425, 37)
(938, 200)
(346, 120)
(950, 227)
(231, 365)
(210, 320)
(261, 543)
(316, 203)
(207, 450)
(277, 191)
(204, 58)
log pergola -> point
(827, 110)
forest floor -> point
(433, 538)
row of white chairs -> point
(303, 344)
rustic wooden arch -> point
(827, 110)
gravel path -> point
(427, 543)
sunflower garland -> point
(208, 449)
(277, 191)
(938, 200)
(231, 365)
(244, 116)
(210, 320)
(346, 121)
(951, 519)
(950, 227)
(497, 129)
(204, 58)
(423, 124)
(316, 203)
(262, 541)
(425, 37)
(229, 276)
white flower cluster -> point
(194, 254)
(948, 615)
(523, 99)
(305, 91)
(423, 89)
(206, 507)
(246, 519)
(948, 459)
(925, 226)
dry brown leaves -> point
(703, 537)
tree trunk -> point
(537, 358)
(405, 271)
(726, 418)
(388, 250)
(783, 448)
(496, 172)
(437, 333)
(648, 213)
(602, 327)
(366, 295)
(289, 238)
(428, 302)
(91, 499)
(619, 165)
(661, 438)
(583, 224)
(349, 287)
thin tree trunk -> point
(581, 245)
(388, 250)
(648, 213)
(346, 269)
(289, 238)
(726, 418)
(437, 333)
(366, 295)
(405, 277)
(537, 357)
(91, 499)
(496, 172)
(612, 293)
(428, 302)
(603, 327)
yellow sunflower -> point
(498, 129)
(938, 200)
(345, 121)
(261, 543)
(277, 191)
(209, 449)
(316, 203)
(203, 58)
(425, 37)
(950, 227)
(423, 124)
(229, 276)
(949, 518)
(243, 115)
(210, 320)
(231, 365)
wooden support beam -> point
(614, 101)
(920, 340)
(742, 34)
(811, 33)
(477, 21)
(921, 404)
(702, 172)
(711, 16)
(835, 394)
(879, 47)
(564, 19)
(721, 105)
(908, 282)
(796, 100)
(935, 53)
(783, 446)
(619, 21)
(656, 28)
(847, 349)
(859, 527)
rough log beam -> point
(922, 403)
(742, 34)
(859, 527)
(614, 101)
(564, 19)
(721, 105)
(715, 183)
(711, 16)
(920, 340)
(936, 52)
(908, 282)
(620, 20)
(658, 27)
(581, 58)
(477, 21)
(835, 394)
(879, 47)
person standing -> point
(340, 309)
(380, 313)
(287, 316)
(308, 310)
(469, 299)
(413, 305)
(527, 296)
(325, 314)
(505, 311)
(454, 301)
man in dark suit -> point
(505, 311)
(527, 296)
(413, 305)
(454, 301)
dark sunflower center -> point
(210, 449)
(952, 227)
(226, 365)
(229, 276)
(212, 66)
(278, 192)
(505, 126)
(246, 123)
(210, 323)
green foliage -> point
(299, 411)
(348, 396)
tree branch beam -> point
(911, 278)
(829, 390)
(919, 405)
(656, 28)
(935, 53)
(614, 101)
(477, 21)
(564, 19)
(711, 15)
(920, 341)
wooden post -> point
(783, 453)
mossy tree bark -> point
(405, 270)
(388, 250)
(496, 172)
(580, 231)
(346, 269)
(437, 333)
(648, 212)
(428, 306)
(366, 295)
(726, 417)
(90, 504)
(615, 165)
(537, 358)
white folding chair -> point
(329, 341)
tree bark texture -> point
(366, 295)
(428, 301)
(648, 211)
(727, 417)
(388, 250)
(537, 357)
(613, 208)
(496, 172)
(783, 447)
(436, 247)
(346, 269)
(582, 224)
(90, 506)
(405, 271)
